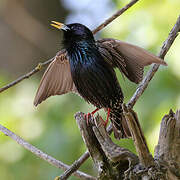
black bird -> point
(86, 67)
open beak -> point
(59, 25)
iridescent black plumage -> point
(86, 66)
(94, 79)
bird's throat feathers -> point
(82, 51)
(78, 43)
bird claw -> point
(87, 116)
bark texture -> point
(114, 162)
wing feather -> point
(130, 60)
(56, 80)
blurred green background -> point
(27, 38)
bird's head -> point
(74, 32)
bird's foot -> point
(88, 115)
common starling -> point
(86, 66)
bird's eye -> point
(73, 28)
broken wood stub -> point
(168, 149)
(117, 163)
(145, 156)
(111, 160)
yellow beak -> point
(59, 25)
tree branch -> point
(75, 166)
(114, 16)
(164, 49)
(43, 155)
(25, 76)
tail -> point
(119, 123)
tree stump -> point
(116, 163)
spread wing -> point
(56, 80)
(130, 59)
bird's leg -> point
(94, 111)
(86, 116)
(107, 119)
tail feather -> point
(119, 123)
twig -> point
(114, 16)
(75, 166)
(43, 155)
(166, 45)
(25, 76)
